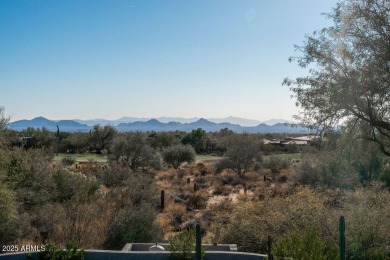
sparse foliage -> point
(178, 154)
(349, 74)
(276, 164)
(182, 245)
(101, 138)
(3, 125)
(243, 153)
(71, 252)
(304, 245)
(133, 151)
(8, 215)
(136, 226)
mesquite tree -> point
(349, 72)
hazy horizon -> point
(164, 119)
(103, 59)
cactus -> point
(195, 186)
(188, 180)
(198, 240)
(270, 256)
(342, 237)
(162, 200)
(58, 139)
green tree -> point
(28, 175)
(163, 140)
(8, 215)
(182, 245)
(242, 153)
(75, 143)
(101, 138)
(3, 125)
(349, 71)
(41, 138)
(307, 245)
(133, 150)
(178, 154)
(71, 252)
(197, 138)
(136, 226)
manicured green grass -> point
(289, 156)
(82, 157)
(200, 157)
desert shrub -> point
(230, 179)
(71, 252)
(277, 191)
(161, 140)
(250, 222)
(367, 215)
(167, 175)
(8, 215)
(181, 246)
(281, 178)
(242, 153)
(135, 190)
(136, 226)
(276, 164)
(28, 175)
(176, 213)
(329, 170)
(70, 184)
(68, 160)
(224, 207)
(178, 154)
(133, 150)
(198, 200)
(251, 179)
(385, 178)
(220, 189)
(366, 212)
(114, 175)
(306, 245)
(292, 148)
(83, 221)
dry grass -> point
(215, 194)
(166, 175)
(176, 213)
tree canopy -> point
(242, 153)
(133, 150)
(178, 154)
(349, 72)
(197, 138)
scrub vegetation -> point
(244, 189)
(246, 194)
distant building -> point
(299, 141)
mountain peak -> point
(208, 125)
(40, 118)
(153, 121)
(202, 120)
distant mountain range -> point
(231, 119)
(126, 124)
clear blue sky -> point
(108, 59)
